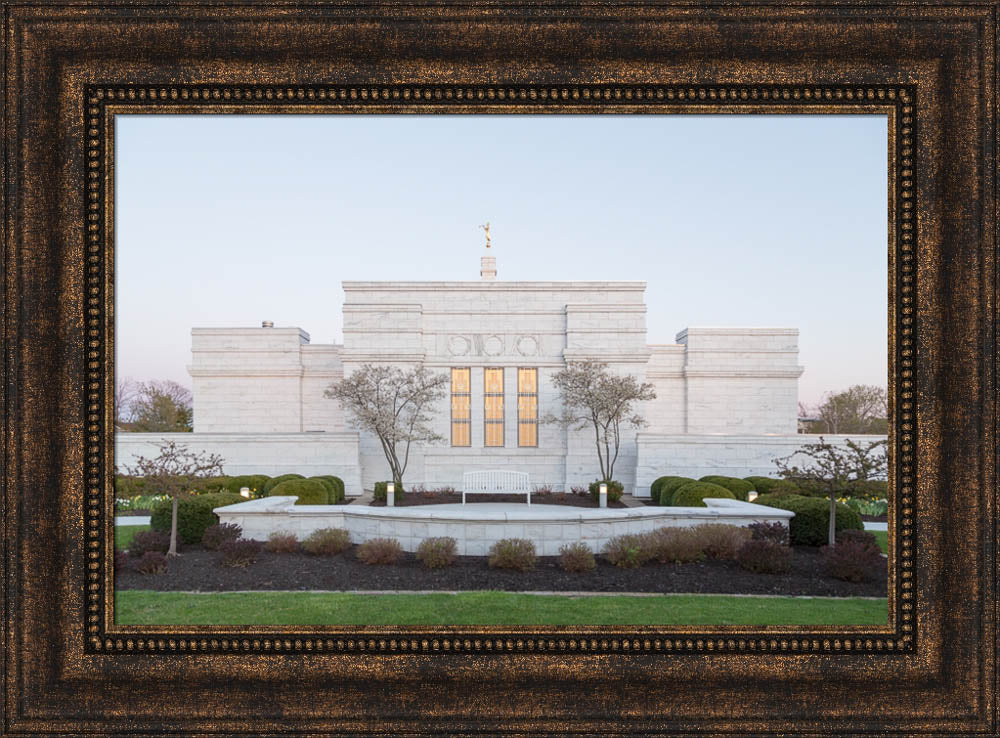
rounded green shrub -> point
(211, 485)
(275, 481)
(668, 488)
(309, 491)
(127, 487)
(254, 482)
(380, 491)
(615, 489)
(657, 487)
(335, 485)
(761, 484)
(693, 494)
(739, 487)
(194, 514)
(810, 526)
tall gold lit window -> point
(527, 407)
(461, 407)
(493, 406)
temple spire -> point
(488, 263)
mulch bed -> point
(199, 570)
(411, 499)
(130, 513)
(875, 518)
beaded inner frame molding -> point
(103, 103)
(69, 67)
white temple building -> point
(726, 397)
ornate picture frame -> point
(69, 69)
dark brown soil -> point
(200, 570)
(875, 518)
(130, 513)
(411, 499)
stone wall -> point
(476, 527)
(728, 455)
(309, 454)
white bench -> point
(495, 482)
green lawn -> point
(125, 533)
(882, 536)
(142, 607)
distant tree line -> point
(154, 406)
(862, 408)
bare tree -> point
(592, 396)
(175, 471)
(160, 406)
(393, 405)
(862, 408)
(126, 390)
(834, 468)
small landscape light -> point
(752, 495)
(245, 492)
(603, 494)
(390, 494)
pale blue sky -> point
(731, 220)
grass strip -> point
(143, 607)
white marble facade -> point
(265, 385)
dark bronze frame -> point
(68, 68)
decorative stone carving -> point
(459, 345)
(527, 346)
(493, 345)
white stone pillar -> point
(488, 268)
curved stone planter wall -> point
(475, 530)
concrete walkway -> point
(876, 526)
(132, 520)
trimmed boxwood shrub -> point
(739, 487)
(692, 494)
(211, 485)
(668, 488)
(338, 483)
(127, 487)
(761, 484)
(334, 486)
(380, 493)
(194, 514)
(309, 491)
(275, 481)
(615, 489)
(810, 525)
(657, 487)
(254, 482)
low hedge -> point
(127, 487)
(211, 485)
(810, 526)
(194, 514)
(739, 487)
(337, 491)
(693, 494)
(668, 488)
(615, 489)
(254, 482)
(379, 492)
(657, 487)
(275, 481)
(309, 491)
(761, 484)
